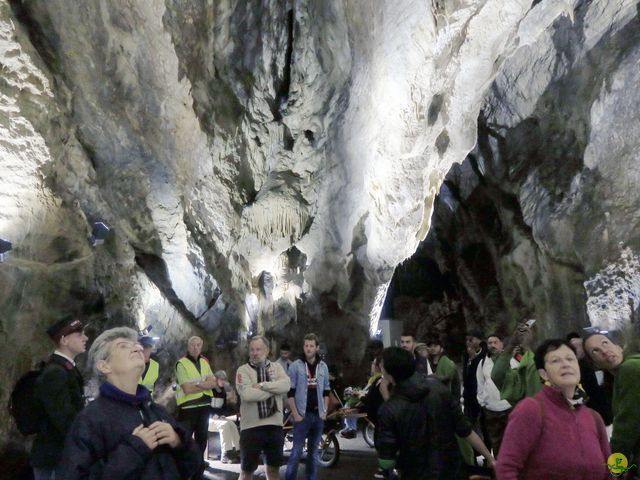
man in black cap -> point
(59, 392)
(151, 367)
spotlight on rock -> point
(5, 248)
(99, 232)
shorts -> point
(267, 439)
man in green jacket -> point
(514, 370)
(443, 367)
(608, 355)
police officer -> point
(195, 380)
(59, 392)
(151, 367)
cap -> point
(221, 374)
(63, 327)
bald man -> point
(606, 354)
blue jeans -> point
(310, 429)
(351, 423)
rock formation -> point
(265, 166)
(540, 220)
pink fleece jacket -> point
(548, 439)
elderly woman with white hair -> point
(123, 434)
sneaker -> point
(379, 475)
(349, 434)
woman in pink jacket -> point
(553, 436)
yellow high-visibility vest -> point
(192, 374)
(151, 377)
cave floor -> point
(357, 461)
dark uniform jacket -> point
(470, 383)
(59, 391)
(100, 444)
(417, 427)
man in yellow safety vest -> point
(195, 380)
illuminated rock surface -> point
(267, 165)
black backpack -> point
(24, 407)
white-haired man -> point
(123, 434)
(261, 385)
(195, 380)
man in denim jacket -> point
(308, 400)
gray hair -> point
(101, 347)
(261, 337)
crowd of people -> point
(509, 410)
(543, 413)
(124, 434)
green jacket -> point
(516, 383)
(626, 413)
(447, 373)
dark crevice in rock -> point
(442, 142)
(309, 136)
(156, 270)
(88, 149)
(282, 93)
(307, 226)
(251, 197)
(23, 11)
(287, 139)
(434, 109)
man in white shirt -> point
(496, 411)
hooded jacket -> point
(417, 427)
(101, 446)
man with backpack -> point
(58, 391)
